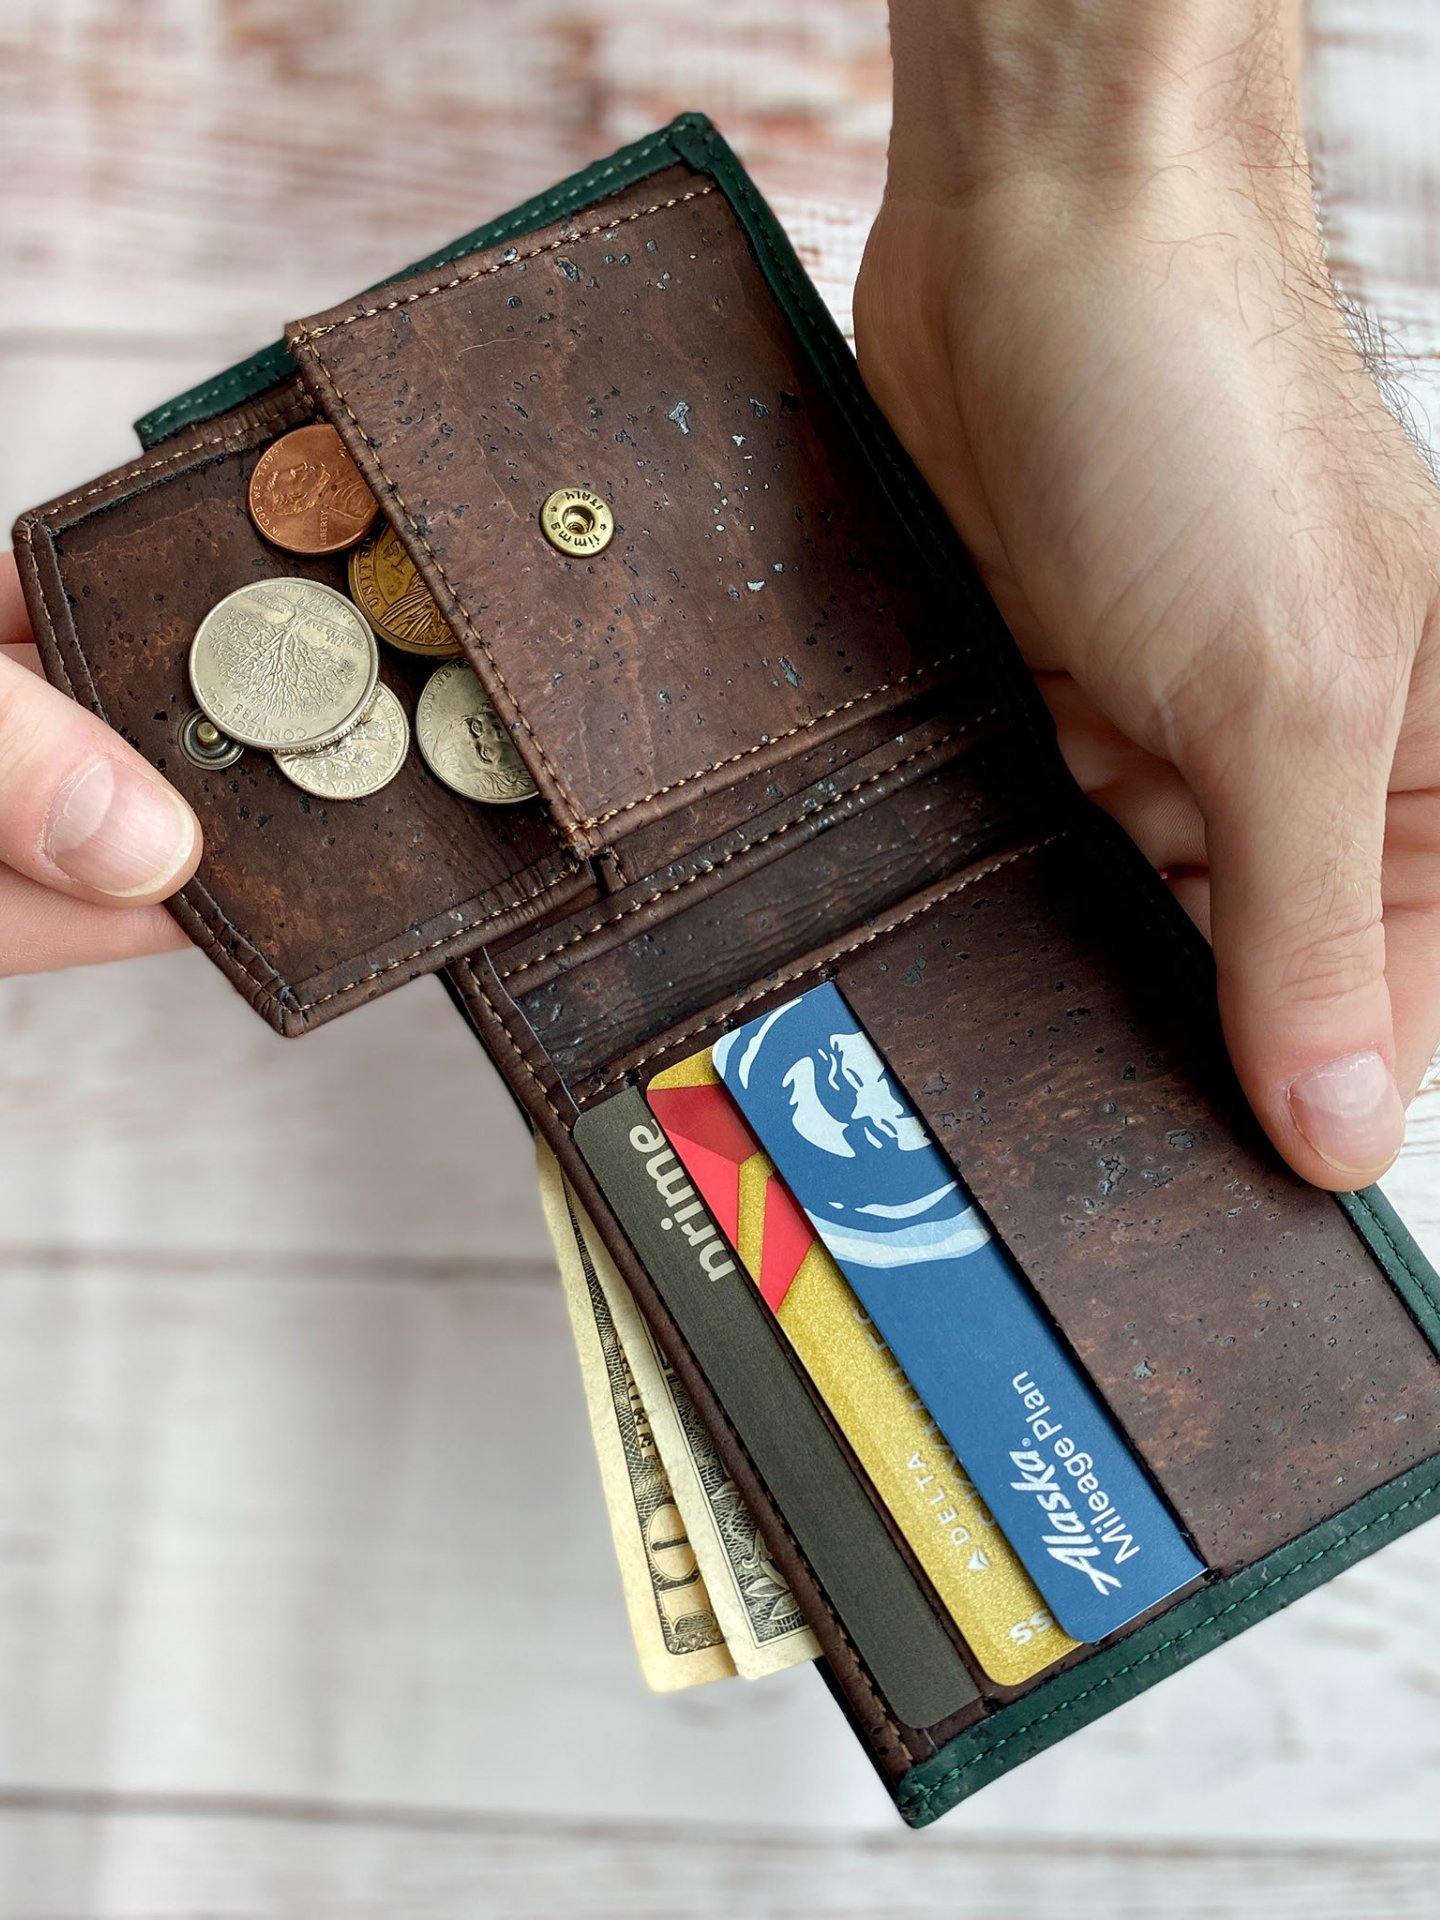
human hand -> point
(91, 837)
(1094, 306)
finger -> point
(24, 654)
(1295, 823)
(80, 811)
(14, 621)
(41, 929)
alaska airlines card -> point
(982, 1584)
(1044, 1454)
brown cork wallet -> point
(780, 736)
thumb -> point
(80, 811)
(1295, 839)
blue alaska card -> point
(1041, 1450)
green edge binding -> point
(250, 377)
(1071, 1701)
(1207, 1619)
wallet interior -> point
(780, 736)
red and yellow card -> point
(988, 1593)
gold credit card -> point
(979, 1579)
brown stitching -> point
(774, 740)
(483, 919)
(305, 335)
(880, 1705)
(303, 341)
(571, 808)
(209, 917)
(775, 833)
(136, 472)
(818, 966)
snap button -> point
(204, 745)
(575, 520)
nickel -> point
(285, 664)
(307, 495)
(395, 600)
(463, 741)
(362, 761)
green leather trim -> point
(249, 378)
(1026, 1727)
(1406, 1267)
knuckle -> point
(1339, 951)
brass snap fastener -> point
(204, 745)
(575, 520)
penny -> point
(362, 761)
(307, 495)
(284, 664)
(463, 741)
(400, 607)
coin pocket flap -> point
(760, 591)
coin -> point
(388, 590)
(284, 664)
(362, 761)
(307, 495)
(463, 741)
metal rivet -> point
(204, 745)
(576, 521)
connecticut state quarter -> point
(286, 664)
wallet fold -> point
(779, 736)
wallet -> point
(780, 736)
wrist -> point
(987, 91)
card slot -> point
(1057, 1033)
(603, 985)
(308, 907)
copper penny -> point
(307, 495)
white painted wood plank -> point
(145, 1111)
(298, 1535)
(145, 1862)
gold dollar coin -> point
(362, 761)
(396, 601)
(463, 741)
(284, 664)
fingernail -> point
(1351, 1112)
(119, 830)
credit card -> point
(988, 1593)
(879, 1602)
(1043, 1452)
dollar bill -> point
(762, 1623)
(678, 1637)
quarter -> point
(362, 761)
(400, 607)
(286, 664)
(463, 742)
(307, 495)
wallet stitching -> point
(308, 335)
(1422, 1285)
(927, 1791)
(714, 866)
(571, 808)
(775, 739)
(879, 1703)
(303, 341)
(785, 979)
(522, 899)
(209, 916)
(234, 379)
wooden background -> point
(306, 1600)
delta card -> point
(882, 1607)
(978, 1578)
(1041, 1449)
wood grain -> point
(304, 1586)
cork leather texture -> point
(779, 737)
